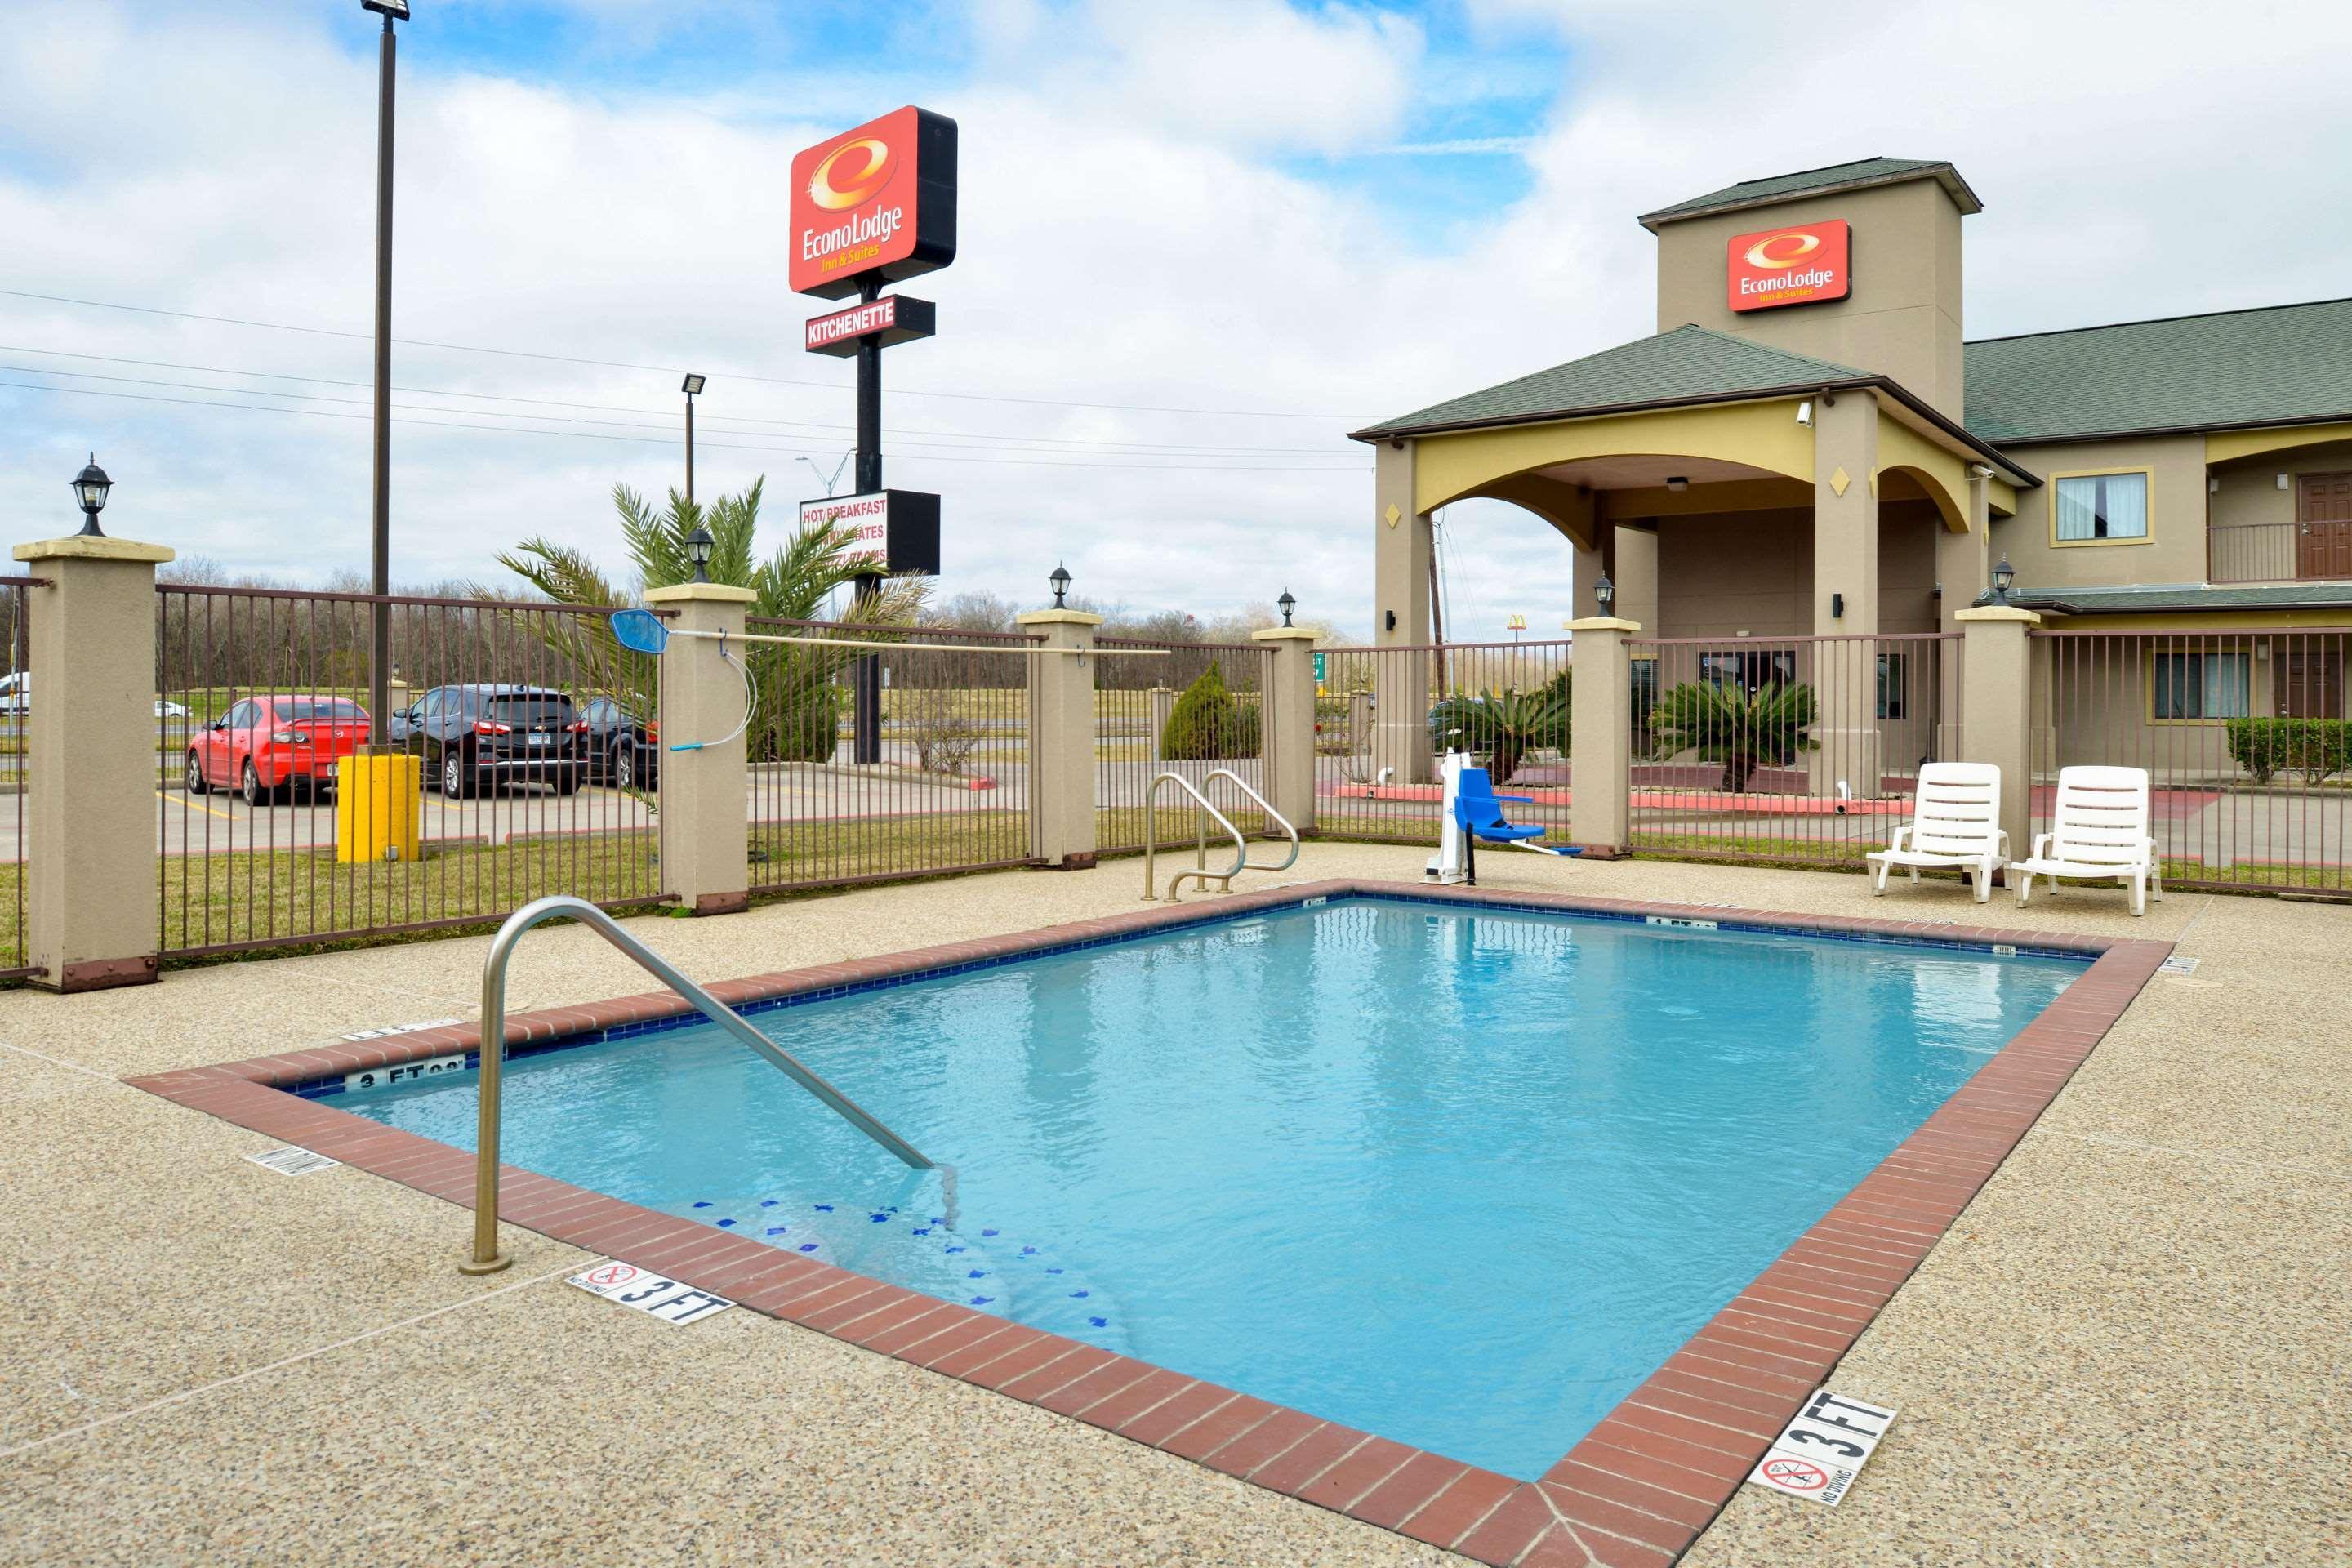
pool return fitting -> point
(1242, 862)
(486, 1258)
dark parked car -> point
(623, 750)
(470, 736)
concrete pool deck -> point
(2155, 1274)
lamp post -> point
(380, 572)
(2004, 578)
(1285, 605)
(1604, 592)
(693, 384)
(1061, 582)
(90, 487)
(698, 550)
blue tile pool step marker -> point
(982, 1266)
(1721, 921)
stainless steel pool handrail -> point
(1242, 862)
(487, 1258)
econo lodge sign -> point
(1799, 266)
(879, 200)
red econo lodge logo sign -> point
(1792, 265)
(881, 198)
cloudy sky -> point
(1198, 242)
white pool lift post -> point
(1456, 860)
(486, 1258)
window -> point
(2093, 508)
(1749, 668)
(1891, 687)
(2194, 686)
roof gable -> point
(1861, 172)
(1687, 364)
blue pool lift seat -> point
(1478, 813)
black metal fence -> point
(927, 773)
(15, 759)
(1191, 708)
(531, 727)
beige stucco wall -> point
(1903, 317)
(2174, 551)
(2249, 495)
(1728, 573)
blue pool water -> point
(1459, 1179)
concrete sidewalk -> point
(2126, 1350)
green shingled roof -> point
(1689, 363)
(2167, 597)
(2238, 367)
(1836, 177)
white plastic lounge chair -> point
(1955, 823)
(2100, 831)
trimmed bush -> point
(2315, 748)
(1207, 724)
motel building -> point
(1810, 468)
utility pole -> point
(380, 522)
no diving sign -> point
(650, 1293)
(1824, 1448)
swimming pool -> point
(1458, 1175)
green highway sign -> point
(1318, 669)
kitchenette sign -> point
(1801, 266)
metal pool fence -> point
(1802, 749)
(15, 724)
(898, 763)
(520, 715)
(1164, 714)
(2244, 735)
(1383, 714)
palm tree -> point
(798, 698)
(1725, 722)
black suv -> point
(469, 736)
(621, 747)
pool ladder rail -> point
(486, 1258)
(1242, 862)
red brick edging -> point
(1633, 1493)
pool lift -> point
(1473, 811)
(486, 1258)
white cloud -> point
(1132, 234)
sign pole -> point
(866, 674)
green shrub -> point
(2315, 748)
(1742, 730)
(1502, 727)
(1208, 724)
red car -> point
(267, 747)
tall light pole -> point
(694, 384)
(380, 574)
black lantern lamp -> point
(698, 550)
(1604, 592)
(2004, 578)
(89, 489)
(1061, 582)
(1286, 604)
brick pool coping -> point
(1634, 1492)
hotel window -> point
(1748, 670)
(1891, 704)
(2191, 685)
(2093, 507)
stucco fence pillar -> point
(1600, 740)
(1062, 745)
(706, 793)
(1288, 731)
(89, 769)
(1996, 707)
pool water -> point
(1461, 1179)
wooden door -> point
(2323, 513)
(2309, 681)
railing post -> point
(1601, 740)
(706, 793)
(1061, 748)
(89, 816)
(1996, 707)
(1288, 731)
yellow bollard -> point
(378, 808)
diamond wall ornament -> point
(1840, 479)
(1394, 514)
